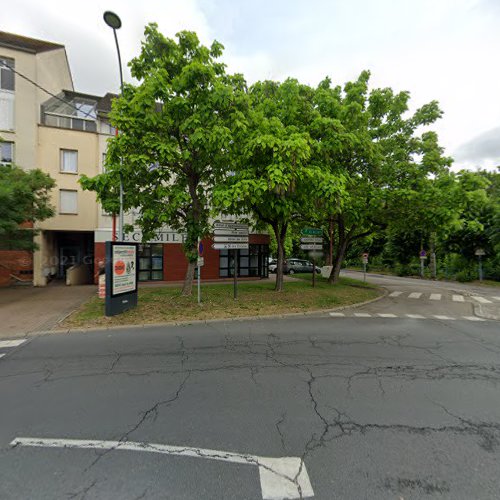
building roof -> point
(18, 42)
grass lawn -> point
(165, 304)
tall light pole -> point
(115, 23)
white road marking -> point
(362, 315)
(386, 315)
(277, 475)
(496, 298)
(2, 355)
(335, 315)
(11, 343)
(482, 300)
(473, 318)
(395, 294)
(415, 316)
(437, 316)
(415, 295)
(458, 298)
(435, 296)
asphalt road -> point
(336, 407)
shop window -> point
(251, 263)
(150, 262)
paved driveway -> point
(25, 310)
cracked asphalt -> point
(375, 408)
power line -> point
(5, 65)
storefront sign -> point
(103, 235)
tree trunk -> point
(280, 240)
(188, 279)
(339, 258)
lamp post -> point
(114, 22)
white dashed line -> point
(395, 294)
(435, 296)
(481, 300)
(337, 315)
(386, 315)
(362, 315)
(458, 298)
(2, 355)
(438, 316)
(11, 343)
(415, 316)
(496, 298)
(473, 318)
(415, 295)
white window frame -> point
(68, 211)
(12, 150)
(62, 162)
(10, 62)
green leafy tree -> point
(277, 177)
(24, 198)
(369, 137)
(176, 131)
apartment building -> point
(46, 124)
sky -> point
(444, 50)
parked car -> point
(293, 266)
(273, 264)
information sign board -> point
(311, 231)
(311, 239)
(230, 246)
(311, 246)
(231, 239)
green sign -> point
(312, 231)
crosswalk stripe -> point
(435, 296)
(395, 294)
(438, 316)
(11, 343)
(415, 316)
(337, 314)
(386, 315)
(482, 300)
(496, 298)
(458, 298)
(362, 315)
(415, 295)
(473, 318)
(2, 355)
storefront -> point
(162, 259)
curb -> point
(209, 321)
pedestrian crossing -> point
(438, 296)
(404, 316)
(9, 344)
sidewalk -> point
(25, 310)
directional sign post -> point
(480, 252)
(312, 241)
(364, 257)
(231, 236)
(423, 256)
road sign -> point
(200, 249)
(229, 232)
(312, 231)
(311, 239)
(201, 262)
(230, 225)
(230, 246)
(231, 239)
(479, 252)
(423, 254)
(364, 255)
(311, 246)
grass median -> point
(256, 298)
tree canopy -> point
(24, 198)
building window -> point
(251, 262)
(150, 262)
(6, 74)
(68, 201)
(75, 113)
(69, 161)
(6, 152)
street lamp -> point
(115, 23)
